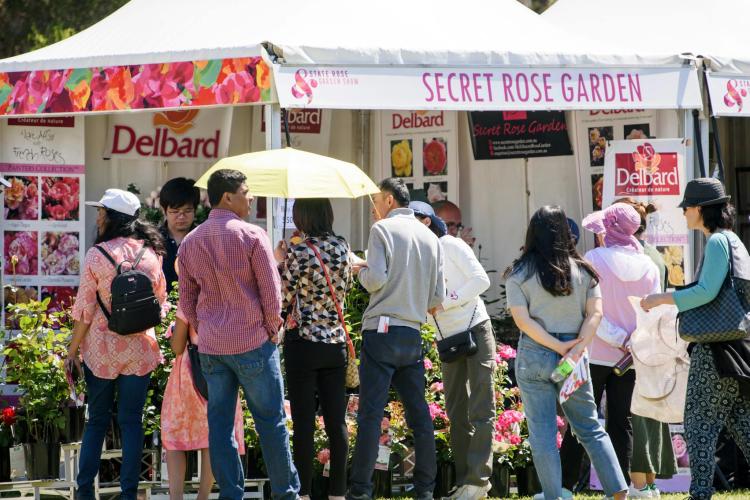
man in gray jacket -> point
(404, 275)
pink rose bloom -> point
(514, 439)
(56, 212)
(559, 440)
(68, 243)
(560, 422)
(427, 364)
(73, 266)
(58, 190)
(506, 352)
(237, 88)
(437, 387)
(436, 411)
(324, 456)
(54, 263)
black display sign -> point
(500, 135)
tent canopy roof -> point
(391, 32)
(439, 33)
(716, 30)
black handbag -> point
(199, 381)
(723, 319)
(458, 345)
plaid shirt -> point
(229, 285)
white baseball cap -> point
(4, 181)
(119, 201)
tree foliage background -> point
(32, 24)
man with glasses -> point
(178, 198)
(451, 215)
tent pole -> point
(273, 141)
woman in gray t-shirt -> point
(554, 298)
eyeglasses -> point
(183, 212)
(457, 225)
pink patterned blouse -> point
(106, 353)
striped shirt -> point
(229, 284)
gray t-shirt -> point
(556, 314)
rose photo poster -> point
(43, 215)
(422, 148)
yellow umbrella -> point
(291, 173)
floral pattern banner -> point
(245, 80)
(43, 218)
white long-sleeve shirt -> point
(465, 280)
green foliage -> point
(35, 362)
(160, 375)
(32, 24)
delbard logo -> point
(417, 119)
(646, 172)
(303, 88)
(161, 143)
(736, 91)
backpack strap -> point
(106, 254)
(134, 263)
(98, 297)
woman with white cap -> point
(718, 392)
(114, 363)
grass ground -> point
(735, 495)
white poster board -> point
(43, 215)
(653, 171)
(421, 147)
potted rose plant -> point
(35, 363)
(7, 440)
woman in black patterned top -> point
(315, 353)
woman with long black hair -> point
(555, 300)
(116, 367)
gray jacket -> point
(404, 272)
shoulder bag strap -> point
(349, 343)
(473, 314)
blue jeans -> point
(392, 358)
(534, 364)
(100, 395)
(259, 374)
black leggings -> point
(316, 372)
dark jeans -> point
(316, 371)
(100, 394)
(619, 394)
(392, 358)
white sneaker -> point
(566, 494)
(655, 493)
(472, 492)
(634, 492)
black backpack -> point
(135, 308)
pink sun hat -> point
(618, 223)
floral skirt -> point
(184, 412)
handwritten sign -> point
(43, 227)
(38, 144)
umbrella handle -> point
(374, 206)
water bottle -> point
(563, 369)
(622, 366)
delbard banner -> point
(730, 95)
(518, 134)
(486, 88)
(653, 171)
(309, 129)
(190, 135)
